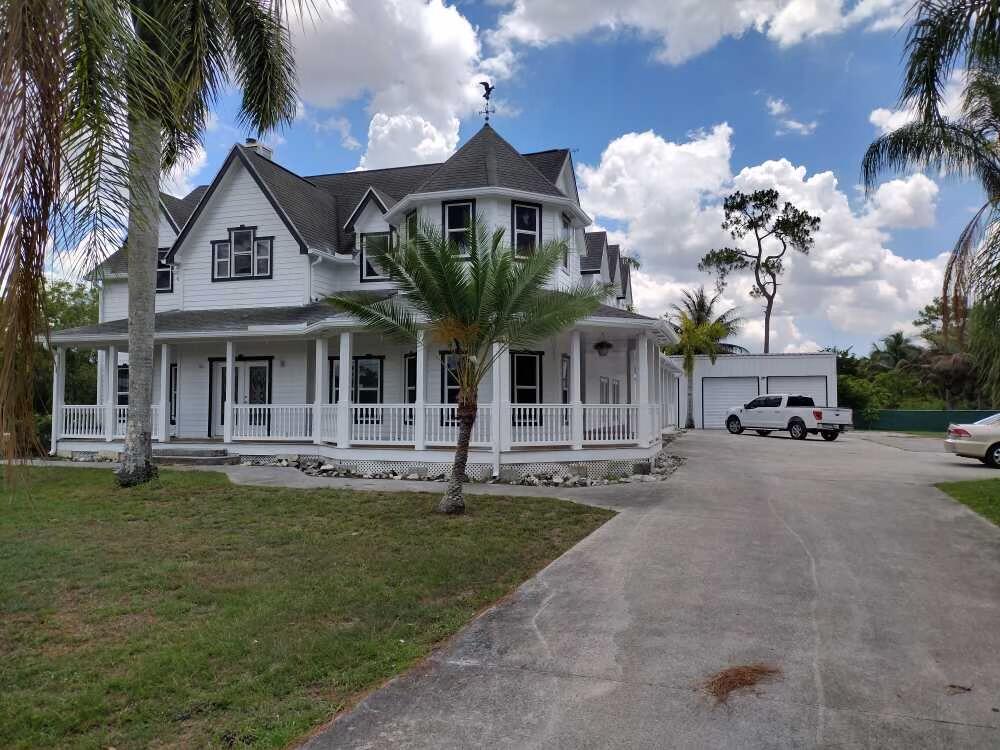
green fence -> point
(909, 420)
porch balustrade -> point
(395, 424)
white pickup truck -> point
(798, 414)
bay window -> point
(526, 227)
(456, 220)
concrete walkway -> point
(839, 563)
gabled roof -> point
(487, 160)
(626, 277)
(596, 242)
(549, 163)
(382, 200)
(308, 212)
(614, 261)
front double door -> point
(252, 385)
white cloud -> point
(407, 139)
(886, 120)
(905, 203)
(417, 63)
(665, 198)
(179, 180)
(684, 28)
(341, 126)
(780, 111)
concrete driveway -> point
(837, 562)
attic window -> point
(245, 255)
(457, 219)
(526, 219)
(164, 271)
(372, 245)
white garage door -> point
(719, 395)
(805, 385)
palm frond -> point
(390, 317)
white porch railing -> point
(390, 424)
(85, 421)
(272, 422)
(610, 423)
(545, 424)
(441, 425)
(328, 423)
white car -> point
(977, 440)
(794, 412)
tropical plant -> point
(894, 351)
(693, 339)
(944, 35)
(700, 308)
(757, 216)
(478, 300)
(984, 346)
(244, 41)
(96, 98)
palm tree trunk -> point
(143, 227)
(689, 422)
(453, 501)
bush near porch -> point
(191, 612)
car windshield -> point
(994, 419)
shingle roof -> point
(487, 160)
(549, 163)
(614, 256)
(311, 210)
(607, 311)
(595, 249)
(348, 188)
(239, 319)
(626, 276)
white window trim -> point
(448, 229)
(515, 232)
(363, 242)
(162, 266)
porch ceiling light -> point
(602, 348)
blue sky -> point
(386, 83)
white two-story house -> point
(251, 358)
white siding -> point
(239, 201)
(114, 292)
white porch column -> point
(228, 401)
(645, 427)
(501, 369)
(164, 418)
(575, 370)
(496, 408)
(419, 412)
(322, 387)
(111, 400)
(58, 393)
(344, 392)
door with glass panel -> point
(251, 386)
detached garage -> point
(735, 379)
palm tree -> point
(206, 46)
(944, 34)
(700, 308)
(479, 306)
(96, 98)
(694, 338)
(894, 351)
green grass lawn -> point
(982, 495)
(193, 612)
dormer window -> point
(526, 221)
(245, 255)
(456, 220)
(372, 245)
(164, 271)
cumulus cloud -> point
(180, 180)
(415, 62)
(665, 198)
(685, 28)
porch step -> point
(194, 457)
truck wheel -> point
(830, 435)
(763, 433)
(993, 456)
(797, 429)
(734, 426)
